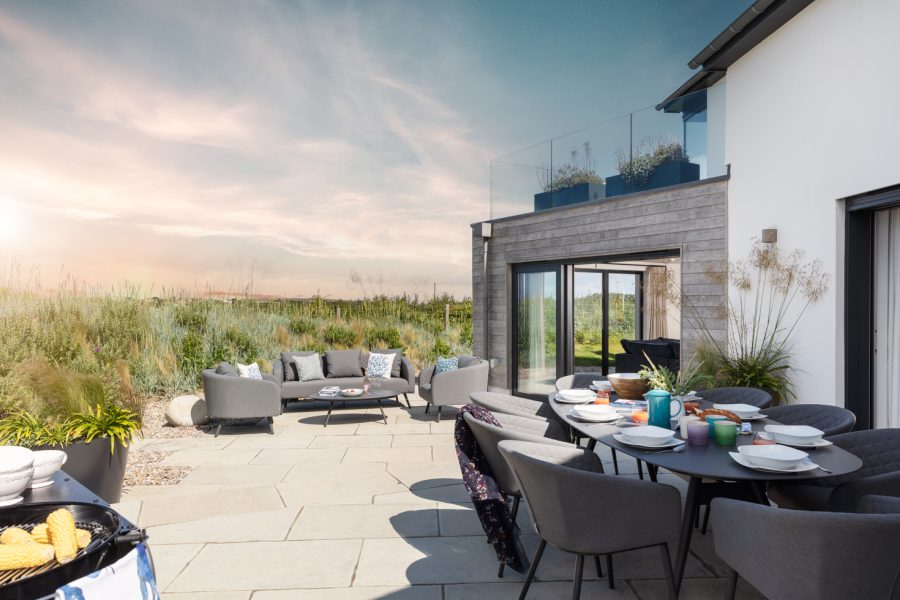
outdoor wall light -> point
(769, 236)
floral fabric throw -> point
(493, 512)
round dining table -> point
(710, 462)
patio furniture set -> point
(835, 532)
(308, 375)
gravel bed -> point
(155, 425)
(144, 468)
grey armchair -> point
(562, 485)
(800, 555)
(511, 428)
(453, 387)
(737, 395)
(832, 420)
(231, 397)
(879, 450)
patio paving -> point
(359, 510)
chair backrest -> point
(737, 395)
(830, 419)
(808, 555)
(510, 405)
(878, 449)
(578, 509)
(578, 380)
(489, 437)
(879, 505)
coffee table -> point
(376, 395)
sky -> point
(296, 148)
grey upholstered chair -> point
(564, 486)
(514, 405)
(453, 387)
(800, 555)
(229, 396)
(737, 395)
(832, 420)
(879, 450)
(578, 380)
(512, 428)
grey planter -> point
(666, 174)
(583, 192)
(96, 469)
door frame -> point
(859, 300)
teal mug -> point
(662, 408)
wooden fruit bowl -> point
(628, 388)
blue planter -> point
(583, 192)
(666, 174)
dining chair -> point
(578, 380)
(879, 450)
(737, 395)
(802, 555)
(514, 405)
(831, 420)
(512, 428)
(565, 490)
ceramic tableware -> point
(46, 464)
(773, 456)
(795, 434)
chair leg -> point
(598, 567)
(218, 430)
(706, 519)
(640, 469)
(670, 575)
(271, 422)
(439, 414)
(405, 397)
(731, 588)
(579, 573)
(615, 460)
(609, 572)
(427, 408)
(532, 569)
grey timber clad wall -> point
(691, 218)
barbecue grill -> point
(111, 538)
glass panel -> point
(588, 350)
(536, 307)
(887, 318)
(623, 310)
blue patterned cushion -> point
(446, 364)
(380, 365)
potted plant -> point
(657, 163)
(573, 182)
(87, 417)
(680, 384)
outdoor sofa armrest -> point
(231, 397)
(278, 371)
(408, 372)
(426, 374)
(271, 378)
(846, 497)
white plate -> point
(562, 400)
(816, 444)
(795, 434)
(611, 418)
(803, 467)
(744, 411)
(670, 444)
(773, 456)
(755, 417)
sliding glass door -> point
(623, 310)
(537, 320)
(887, 319)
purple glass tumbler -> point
(698, 433)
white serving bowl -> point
(594, 410)
(577, 395)
(744, 411)
(773, 456)
(15, 459)
(803, 435)
(46, 464)
(352, 392)
(13, 484)
(647, 435)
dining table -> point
(705, 465)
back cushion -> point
(290, 368)
(468, 361)
(343, 363)
(653, 348)
(225, 368)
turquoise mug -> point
(662, 408)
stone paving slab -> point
(364, 521)
(237, 474)
(236, 501)
(245, 595)
(203, 458)
(170, 560)
(419, 592)
(391, 455)
(538, 591)
(262, 526)
(298, 456)
(343, 441)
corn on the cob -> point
(21, 556)
(61, 527)
(15, 535)
(39, 534)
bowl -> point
(774, 456)
(15, 459)
(577, 395)
(594, 410)
(46, 464)
(803, 435)
(647, 435)
(351, 392)
(628, 386)
(744, 411)
(12, 485)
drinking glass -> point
(711, 419)
(698, 433)
(725, 432)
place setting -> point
(773, 458)
(746, 412)
(649, 437)
(798, 436)
(595, 413)
(574, 396)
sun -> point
(11, 221)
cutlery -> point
(823, 468)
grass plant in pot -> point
(91, 418)
(655, 163)
(570, 183)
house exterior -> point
(800, 120)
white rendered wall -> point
(813, 117)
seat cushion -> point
(800, 497)
(342, 363)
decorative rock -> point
(187, 411)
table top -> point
(712, 461)
(370, 395)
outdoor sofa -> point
(664, 352)
(342, 368)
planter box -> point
(583, 192)
(96, 468)
(666, 174)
